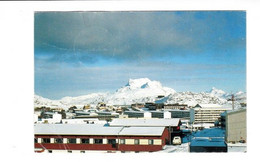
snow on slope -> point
(92, 98)
(143, 90)
(192, 98)
(214, 96)
(138, 90)
(217, 92)
(40, 101)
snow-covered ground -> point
(175, 148)
(237, 147)
(183, 148)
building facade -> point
(81, 138)
(235, 126)
(176, 106)
(171, 124)
(206, 113)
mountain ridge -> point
(143, 90)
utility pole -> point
(233, 99)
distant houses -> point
(176, 106)
(158, 106)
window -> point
(150, 141)
(82, 151)
(69, 151)
(136, 141)
(98, 141)
(35, 140)
(85, 140)
(111, 141)
(122, 141)
(58, 140)
(46, 140)
(49, 151)
(71, 140)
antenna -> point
(233, 99)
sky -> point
(77, 53)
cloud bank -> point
(124, 36)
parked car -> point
(176, 140)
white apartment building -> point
(206, 113)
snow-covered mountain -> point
(192, 98)
(140, 91)
(217, 92)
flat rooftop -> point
(95, 129)
(151, 122)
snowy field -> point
(175, 148)
(183, 148)
(238, 147)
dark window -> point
(136, 141)
(35, 140)
(82, 151)
(58, 140)
(150, 142)
(69, 151)
(122, 141)
(71, 140)
(98, 141)
(85, 140)
(50, 151)
(111, 141)
(46, 140)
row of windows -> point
(137, 141)
(69, 140)
(69, 151)
(86, 141)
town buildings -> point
(172, 113)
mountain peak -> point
(214, 89)
(217, 92)
(142, 83)
(137, 82)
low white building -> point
(149, 122)
(81, 121)
(56, 118)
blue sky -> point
(77, 53)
